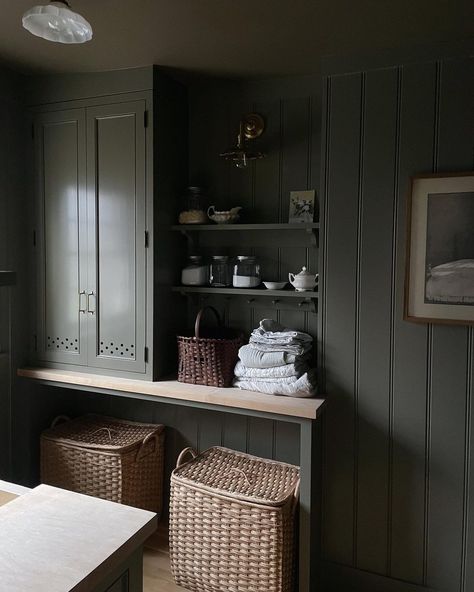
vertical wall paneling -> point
(374, 311)
(410, 342)
(15, 242)
(287, 442)
(267, 172)
(241, 190)
(450, 344)
(398, 432)
(291, 145)
(446, 457)
(296, 149)
(236, 432)
(340, 313)
(467, 576)
(210, 431)
(261, 437)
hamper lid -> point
(240, 476)
(100, 432)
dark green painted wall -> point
(13, 227)
(398, 471)
(291, 141)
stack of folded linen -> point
(276, 362)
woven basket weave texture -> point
(209, 357)
(232, 521)
(113, 459)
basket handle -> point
(59, 419)
(197, 324)
(183, 453)
(143, 452)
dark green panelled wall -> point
(13, 224)
(399, 489)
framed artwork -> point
(440, 253)
(301, 206)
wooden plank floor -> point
(156, 564)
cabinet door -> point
(121, 585)
(61, 236)
(116, 220)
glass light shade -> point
(57, 22)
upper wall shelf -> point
(7, 278)
(223, 227)
(245, 292)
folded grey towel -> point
(270, 331)
(295, 349)
(275, 373)
(302, 387)
(253, 357)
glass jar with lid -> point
(246, 272)
(195, 207)
(220, 272)
(195, 273)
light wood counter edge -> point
(172, 389)
(90, 579)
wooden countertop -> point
(52, 540)
(174, 390)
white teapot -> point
(303, 281)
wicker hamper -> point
(232, 519)
(117, 460)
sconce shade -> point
(57, 22)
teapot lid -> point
(304, 272)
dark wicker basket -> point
(208, 357)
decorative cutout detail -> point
(64, 344)
(109, 348)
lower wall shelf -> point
(172, 390)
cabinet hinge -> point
(146, 355)
(147, 239)
(145, 118)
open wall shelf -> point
(235, 227)
(245, 292)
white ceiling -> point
(232, 37)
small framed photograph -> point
(302, 206)
(440, 252)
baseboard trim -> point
(342, 578)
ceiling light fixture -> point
(57, 22)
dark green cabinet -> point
(116, 192)
(90, 166)
(107, 172)
(61, 236)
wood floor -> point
(156, 565)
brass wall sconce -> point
(251, 126)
